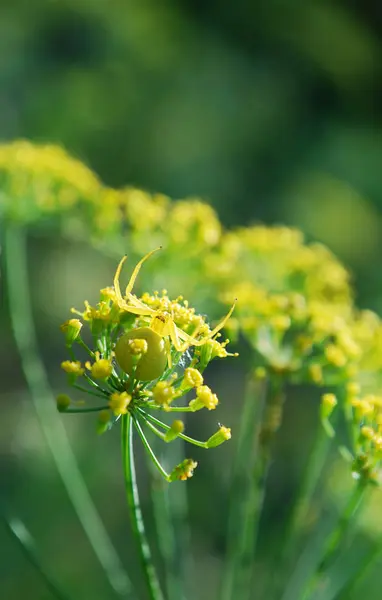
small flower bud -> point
(176, 428)
(205, 398)
(353, 388)
(184, 470)
(137, 347)
(221, 436)
(315, 372)
(192, 378)
(328, 403)
(335, 356)
(280, 322)
(103, 422)
(361, 408)
(73, 368)
(72, 329)
(63, 402)
(100, 369)
(260, 372)
(119, 402)
(367, 433)
(163, 393)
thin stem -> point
(18, 531)
(247, 451)
(345, 590)
(81, 342)
(305, 492)
(337, 537)
(285, 556)
(47, 414)
(87, 391)
(85, 410)
(150, 450)
(147, 417)
(95, 384)
(344, 523)
(169, 408)
(133, 502)
(169, 529)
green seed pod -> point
(147, 366)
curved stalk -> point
(133, 502)
(46, 411)
(149, 419)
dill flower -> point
(73, 367)
(138, 364)
(102, 368)
(72, 329)
(119, 402)
(205, 398)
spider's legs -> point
(223, 321)
(116, 282)
(194, 342)
(134, 275)
(168, 352)
(173, 333)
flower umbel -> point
(137, 364)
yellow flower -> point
(176, 428)
(138, 347)
(184, 471)
(362, 408)
(315, 372)
(335, 356)
(221, 436)
(163, 393)
(192, 378)
(328, 403)
(73, 367)
(119, 402)
(367, 432)
(101, 368)
(72, 329)
(205, 398)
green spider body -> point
(151, 364)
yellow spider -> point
(160, 330)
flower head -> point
(137, 364)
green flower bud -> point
(219, 437)
(176, 428)
(72, 330)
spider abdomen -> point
(151, 364)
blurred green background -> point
(271, 111)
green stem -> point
(17, 529)
(343, 526)
(85, 410)
(285, 556)
(337, 537)
(345, 590)
(170, 408)
(305, 492)
(47, 414)
(247, 455)
(87, 391)
(169, 529)
(150, 451)
(133, 502)
(147, 417)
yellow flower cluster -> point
(43, 179)
(295, 304)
